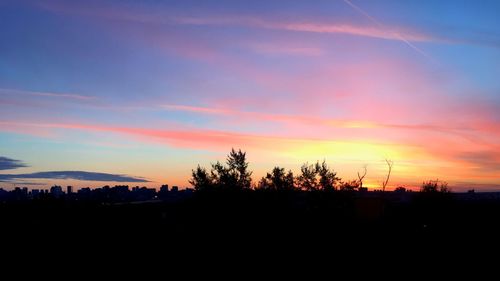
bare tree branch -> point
(390, 163)
(362, 177)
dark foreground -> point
(264, 224)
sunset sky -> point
(133, 91)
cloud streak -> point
(140, 14)
(74, 175)
(312, 26)
(8, 163)
(47, 94)
(183, 138)
(313, 120)
(378, 31)
(283, 49)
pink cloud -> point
(201, 139)
(323, 124)
(380, 95)
(197, 109)
(284, 49)
(366, 31)
(308, 26)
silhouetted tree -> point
(307, 179)
(289, 181)
(222, 177)
(390, 163)
(349, 185)
(200, 179)
(327, 177)
(238, 168)
(317, 177)
(263, 184)
(400, 189)
(361, 177)
(233, 175)
(435, 186)
(277, 180)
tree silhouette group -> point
(234, 175)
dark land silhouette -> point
(314, 212)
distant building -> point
(163, 193)
(121, 188)
(19, 193)
(84, 190)
(175, 188)
(35, 193)
(56, 191)
(69, 189)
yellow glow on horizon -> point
(343, 150)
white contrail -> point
(399, 36)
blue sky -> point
(153, 88)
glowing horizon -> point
(151, 90)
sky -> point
(141, 92)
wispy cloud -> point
(485, 160)
(24, 183)
(159, 17)
(141, 14)
(199, 138)
(313, 120)
(378, 31)
(198, 109)
(203, 139)
(75, 175)
(47, 94)
(351, 29)
(284, 49)
(8, 163)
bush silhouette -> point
(435, 186)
